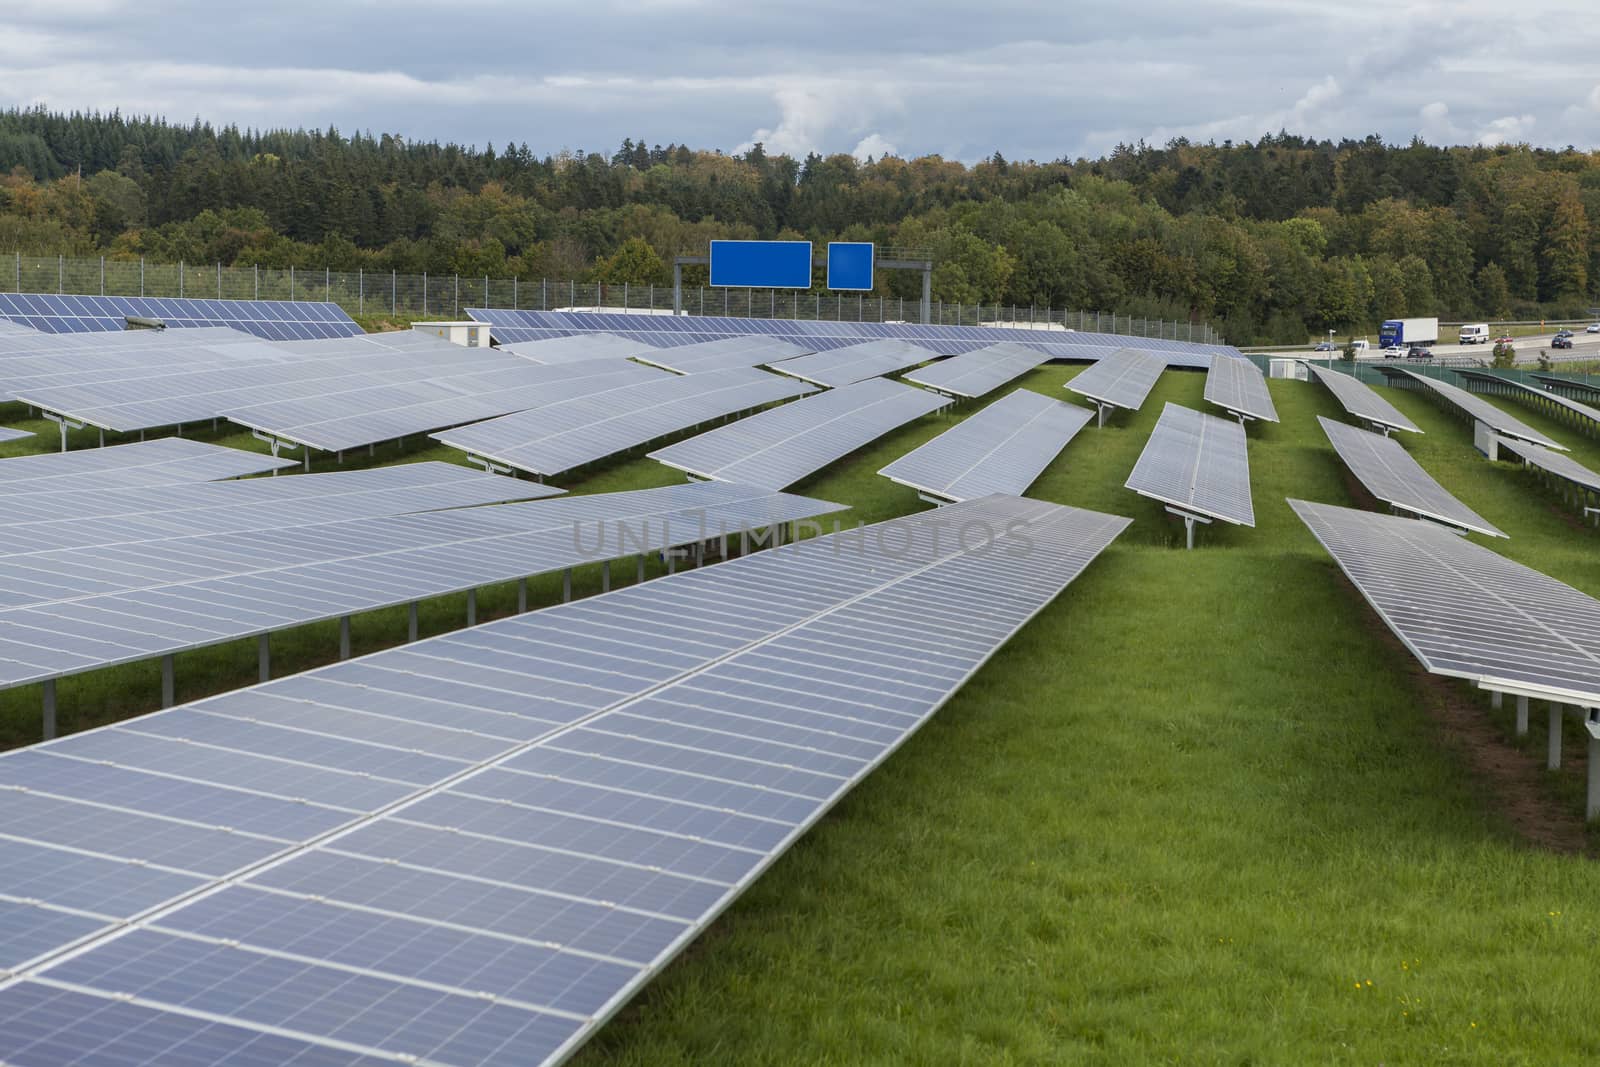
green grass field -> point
(1202, 810)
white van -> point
(1475, 333)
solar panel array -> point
(165, 461)
(855, 363)
(73, 610)
(275, 320)
(1464, 611)
(385, 411)
(323, 373)
(721, 354)
(1475, 407)
(1237, 386)
(1121, 379)
(1573, 384)
(816, 335)
(1360, 400)
(1393, 477)
(1557, 463)
(43, 360)
(474, 849)
(560, 436)
(982, 370)
(1198, 464)
(577, 348)
(9, 434)
(1001, 449)
(779, 447)
(1565, 405)
(36, 522)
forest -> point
(1273, 241)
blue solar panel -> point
(275, 320)
(666, 331)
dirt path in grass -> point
(1515, 780)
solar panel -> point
(577, 348)
(983, 369)
(83, 359)
(1199, 466)
(8, 434)
(721, 354)
(1360, 400)
(1120, 380)
(1557, 381)
(1556, 463)
(141, 401)
(817, 335)
(1000, 449)
(1553, 403)
(1238, 387)
(275, 320)
(383, 412)
(855, 363)
(1463, 610)
(74, 610)
(474, 849)
(1393, 477)
(164, 461)
(779, 447)
(1475, 408)
(36, 522)
(560, 436)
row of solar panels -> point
(274, 320)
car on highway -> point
(1561, 341)
(1392, 352)
(1593, 327)
(1326, 346)
(1508, 339)
(1418, 352)
(1563, 333)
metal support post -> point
(1553, 743)
(50, 710)
(472, 607)
(1522, 716)
(264, 657)
(344, 637)
(411, 621)
(1188, 530)
(640, 578)
(566, 585)
(677, 289)
(1496, 699)
(605, 577)
(168, 682)
(522, 595)
(672, 560)
(1592, 801)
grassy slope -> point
(1186, 816)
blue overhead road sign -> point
(761, 264)
(850, 265)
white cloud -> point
(873, 145)
(1436, 126)
(1508, 129)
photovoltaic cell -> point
(662, 746)
(1360, 400)
(557, 437)
(164, 461)
(1565, 406)
(1238, 387)
(1556, 463)
(985, 369)
(1477, 408)
(779, 447)
(1390, 474)
(275, 320)
(1121, 379)
(8, 434)
(1198, 464)
(1000, 449)
(73, 610)
(855, 363)
(818, 335)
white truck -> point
(1403, 333)
(1475, 333)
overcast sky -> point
(1031, 80)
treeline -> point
(1273, 240)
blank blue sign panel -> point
(761, 264)
(850, 265)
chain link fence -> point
(421, 296)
